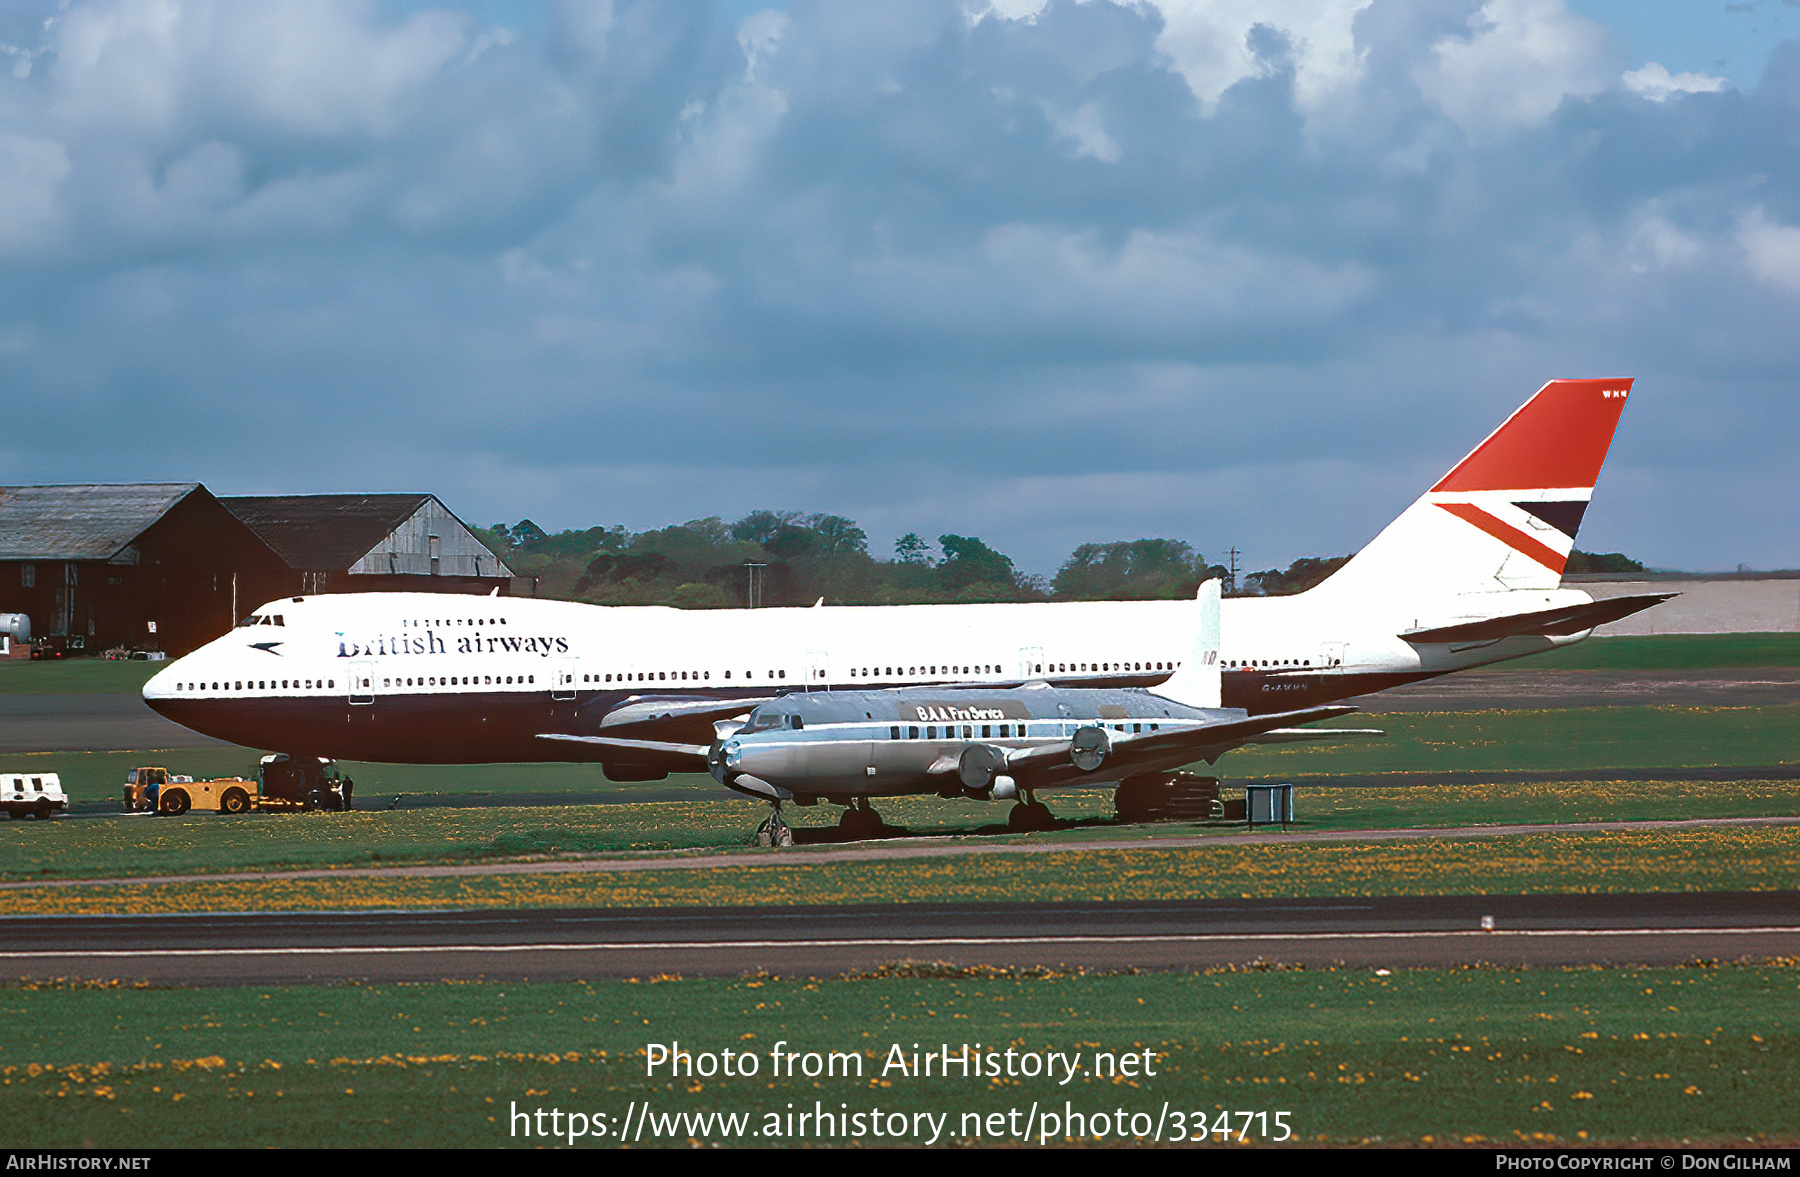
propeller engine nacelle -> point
(979, 765)
(1089, 747)
(715, 761)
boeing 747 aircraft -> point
(1470, 574)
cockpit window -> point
(253, 619)
(764, 721)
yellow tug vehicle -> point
(283, 782)
(154, 790)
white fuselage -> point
(436, 678)
(441, 678)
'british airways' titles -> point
(431, 642)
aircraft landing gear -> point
(859, 821)
(774, 831)
(1029, 815)
(293, 781)
(1168, 796)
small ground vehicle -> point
(155, 790)
(58, 645)
(37, 795)
(143, 787)
(304, 782)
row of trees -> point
(1591, 562)
(788, 558)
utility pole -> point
(753, 590)
(1231, 569)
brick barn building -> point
(372, 543)
(168, 566)
(106, 564)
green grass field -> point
(75, 676)
(1678, 651)
(1700, 858)
(1576, 738)
(209, 843)
(1697, 1054)
(707, 819)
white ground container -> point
(29, 795)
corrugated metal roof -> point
(85, 522)
(325, 533)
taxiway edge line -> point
(886, 942)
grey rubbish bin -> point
(1269, 804)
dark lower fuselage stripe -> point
(499, 727)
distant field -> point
(1423, 1057)
(75, 676)
(1541, 741)
(1681, 651)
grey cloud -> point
(1005, 278)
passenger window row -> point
(674, 676)
(264, 685)
(468, 680)
(447, 622)
(1036, 668)
(1002, 731)
(1090, 667)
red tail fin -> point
(1505, 517)
(1558, 438)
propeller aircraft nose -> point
(722, 758)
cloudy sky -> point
(1241, 272)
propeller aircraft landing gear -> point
(1168, 796)
(860, 821)
(774, 831)
(1029, 814)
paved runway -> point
(89, 723)
(552, 945)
